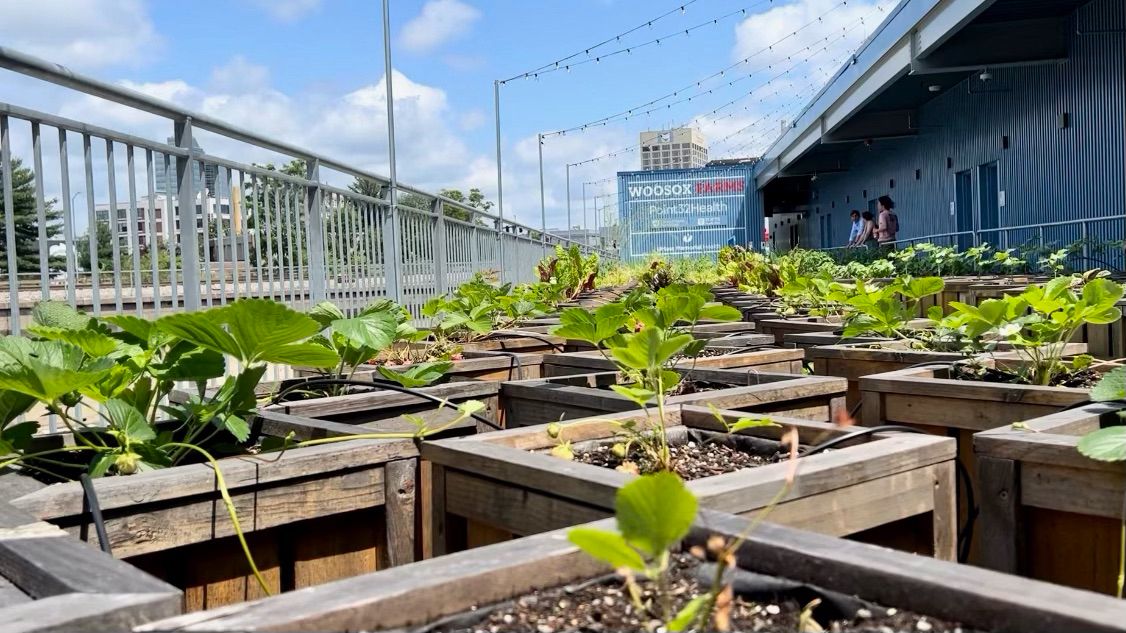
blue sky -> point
(310, 72)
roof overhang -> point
(922, 49)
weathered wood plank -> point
(165, 526)
(1000, 528)
(61, 500)
(399, 502)
(1072, 490)
(945, 513)
(386, 399)
(43, 567)
(514, 508)
(83, 613)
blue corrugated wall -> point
(1048, 174)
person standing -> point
(857, 227)
(867, 237)
(888, 223)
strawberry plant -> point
(1040, 321)
(1109, 445)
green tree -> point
(104, 248)
(275, 228)
(26, 221)
(476, 200)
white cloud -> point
(439, 22)
(81, 33)
(240, 75)
(287, 10)
(471, 119)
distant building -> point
(159, 223)
(164, 184)
(586, 237)
(682, 148)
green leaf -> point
(1112, 386)
(186, 362)
(720, 312)
(1105, 445)
(688, 613)
(13, 404)
(639, 395)
(470, 407)
(60, 315)
(93, 342)
(129, 421)
(301, 355)
(46, 370)
(917, 288)
(694, 348)
(325, 313)
(237, 426)
(203, 329)
(375, 330)
(101, 464)
(140, 329)
(655, 512)
(749, 423)
(609, 547)
(417, 375)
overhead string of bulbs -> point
(640, 109)
(725, 106)
(554, 66)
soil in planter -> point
(707, 352)
(1082, 379)
(692, 458)
(605, 605)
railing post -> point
(438, 247)
(189, 231)
(315, 232)
(391, 250)
(1083, 237)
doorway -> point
(964, 208)
(989, 207)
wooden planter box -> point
(310, 515)
(926, 399)
(532, 402)
(474, 366)
(857, 360)
(807, 340)
(779, 361)
(898, 489)
(50, 581)
(428, 591)
(1047, 511)
(780, 327)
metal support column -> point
(315, 233)
(391, 250)
(500, 180)
(569, 227)
(438, 246)
(585, 224)
(543, 203)
(189, 232)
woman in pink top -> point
(888, 223)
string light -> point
(720, 73)
(829, 39)
(616, 38)
(656, 41)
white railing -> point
(260, 232)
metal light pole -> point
(585, 224)
(543, 204)
(568, 197)
(500, 178)
(391, 278)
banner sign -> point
(690, 215)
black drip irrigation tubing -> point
(514, 359)
(90, 505)
(376, 383)
(965, 535)
(534, 336)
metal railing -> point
(260, 232)
(1081, 231)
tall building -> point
(682, 148)
(164, 184)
